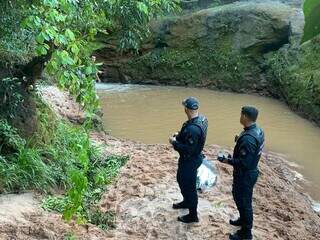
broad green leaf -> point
(75, 49)
(143, 8)
(41, 50)
(40, 38)
(88, 70)
(312, 19)
(50, 3)
(60, 39)
(69, 34)
(65, 58)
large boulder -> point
(220, 47)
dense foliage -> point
(299, 84)
(59, 156)
(58, 36)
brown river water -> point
(150, 114)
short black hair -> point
(250, 112)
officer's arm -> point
(191, 145)
(247, 156)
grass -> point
(58, 156)
(101, 173)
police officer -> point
(245, 159)
(189, 143)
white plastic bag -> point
(207, 175)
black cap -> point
(191, 103)
(250, 112)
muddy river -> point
(151, 113)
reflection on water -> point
(150, 114)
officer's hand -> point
(175, 134)
(221, 157)
(172, 139)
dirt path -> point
(146, 188)
(143, 194)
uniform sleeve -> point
(246, 158)
(190, 147)
(178, 137)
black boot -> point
(236, 223)
(179, 205)
(242, 234)
(191, 217)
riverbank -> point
(146, 187)
(243, 47)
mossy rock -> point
(220, 47)
(295, 73)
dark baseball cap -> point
(250, 112)
(191, 103)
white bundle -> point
(207, 175)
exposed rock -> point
(25, 117)
(220, 47)
(63, 103)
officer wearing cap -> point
(245, 159)
(189, 143)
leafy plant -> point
(10, 141)
(21, 167)
(63, 30)
(311, 10)
(70, 236)
(16, 44)
(10, 96)
(130, 19)
(103, 220)
(80, 201)
(53, 203)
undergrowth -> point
(100, 174)
(59, 156)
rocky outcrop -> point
(247, 46)
(196, 4)
(220, 47)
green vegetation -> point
(296, 78)
(59, 156)
(100, 174)
(70, 236)
(10, 97)
(209, 67)
(16, 44)
(54, 39)
(57, 36)
(311, 10)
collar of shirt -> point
(250, 127)
(193, 119)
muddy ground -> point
(145, 189)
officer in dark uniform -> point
(246, 156)
(189, 143)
